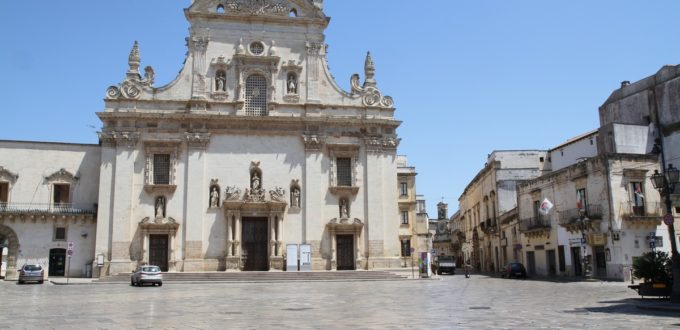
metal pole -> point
(68, 269)
(413, 275)
(675, 257)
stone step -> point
(266, 276)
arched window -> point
(256, 95)
(220, 9)
(293, 13)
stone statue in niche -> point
(344, 214)
(292, 84)
(221, 81)
(295, 197)
(214, 197)
(160, 207)
(255, 182)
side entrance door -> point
(576, 260)
(531, 263)
(600, 261)
(57, 262)
(551, 261)
(345, 252)
(255, 239)
(158, 251)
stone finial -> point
(273, 51)
(369, 70)
(134, 60)
(625, 83)
(240, 50)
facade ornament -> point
(232, 194)
(369, 91)
(258, 7)
(278, 194)
(6, 175)
(197, 140)
(132, 86)
(62, 176)
(160, 207)
(119, 138)
(273, 51)
(312, 141)
(344, 210)
(214, 197)
(240, 50)
(199, 43)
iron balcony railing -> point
(57, 208)
(572, 216)
(531, 224)
(641, 210)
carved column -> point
(334, 251)
(230, 236)
(172, 263)
(272, 236)
(314, 53)
(237, 244)
(145, 246)
(198, 46)
(280, 236)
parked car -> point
(514, 269)
(31, 273)
(146, 274)
(445, 264)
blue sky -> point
(468, 77)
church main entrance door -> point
(345, 252)
(158, 251)
(255, 238)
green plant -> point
(653, 267)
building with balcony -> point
(489, 195)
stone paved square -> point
(447, 302)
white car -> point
(146, 274)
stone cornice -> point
(6, 175)
(62, 176)
(197, 140)
(119, 138)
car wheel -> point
(20, 282)
(160, 284)
(40, 282)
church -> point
(252, 148)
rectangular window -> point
(403, 188)
(537, 208)
(60, 233)
(4, 192)
(405, 247)
(61, 194)
(637, 198)
(344, 172)
(404, 217)
(161, 169)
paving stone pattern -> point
(449, 302)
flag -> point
(579, 201)
(546, 206)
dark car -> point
(445, 264)
(514, 269)
(31, 273)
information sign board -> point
(305, 258)
(292, 258)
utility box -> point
(292, 258)
(305, 258)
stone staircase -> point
(266, 277)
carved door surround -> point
(339, 227)
(235, 211)
(159, 226)
(153, 147)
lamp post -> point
(583, 225)
(665, 184)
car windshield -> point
(445, 258)
(151, 269)
(32, 268)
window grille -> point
(406, 248)
(161, 169)
(257, 48)
(60, 234)
(256, 96)
(344, 172)
(61, 194)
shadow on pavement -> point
(633, 306)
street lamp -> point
(665, 184)
(583, 222)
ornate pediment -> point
(159, 223)
(62, 176)
(6, 175)
(263, 8)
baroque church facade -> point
(252, 147)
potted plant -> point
(655, 269)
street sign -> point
(71, 245)
(413, 249)
(668, 219)
(69, 252)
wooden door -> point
(57, 262)
(255, 237)
(158, 251)
(345, 246)
(576, 260)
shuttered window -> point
(161, 169)
(344, 171)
